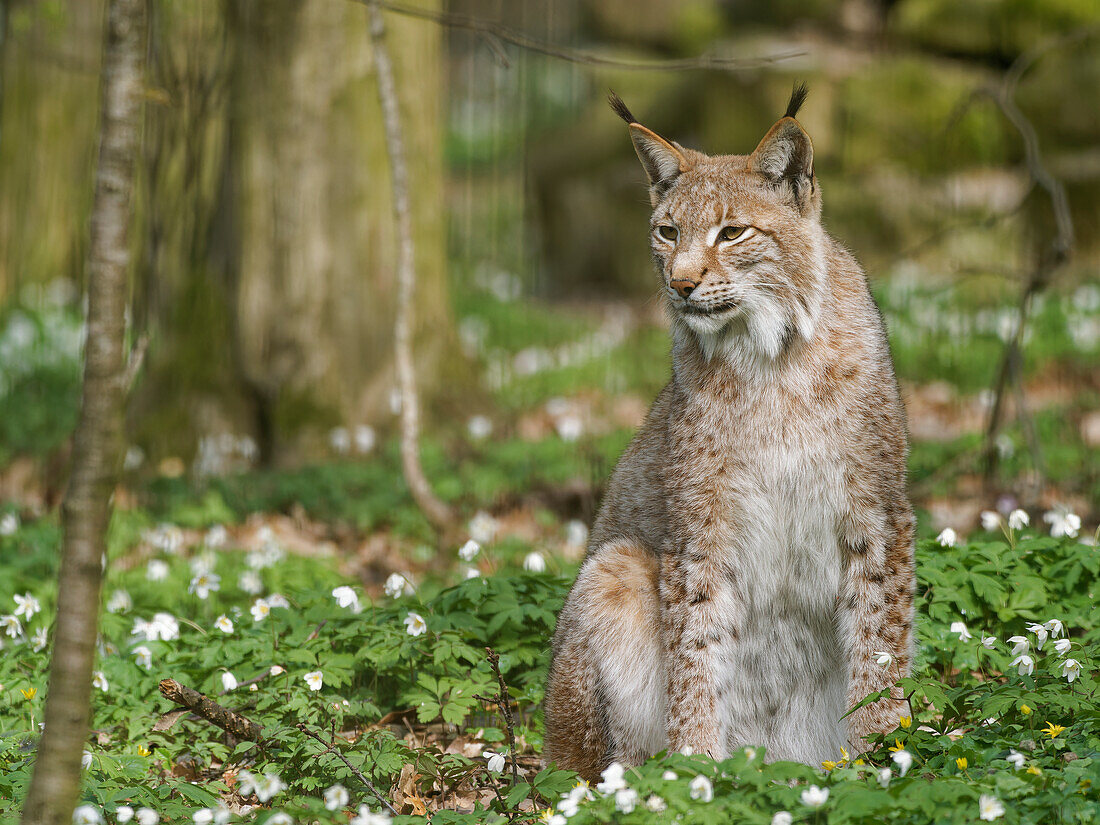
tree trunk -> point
(97, 448)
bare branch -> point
(228, 720)
(496, 32)
(439, 514)
(330, 747)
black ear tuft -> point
(620, 107)
(798, 97)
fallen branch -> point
(330, 747)
(200, 704)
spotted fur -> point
(755, 549)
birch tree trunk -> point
(97, 447)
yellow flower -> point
(143, 751)
(859, 762)
(1025, 710)
(844, 754)
(961, 762)
(905, 722)
(828, 764)
(897, 746)
(29, 693)
(1033, 770)
(1052, 730)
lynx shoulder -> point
(754, 554)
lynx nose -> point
(683, 286)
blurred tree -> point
(269, 278)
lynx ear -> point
(785, 157)
(663, 161)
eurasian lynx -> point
(754, 555)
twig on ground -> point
(229, 721)
(494, 33)
(330, 747)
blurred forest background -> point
(264, 245)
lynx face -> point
(737, 239)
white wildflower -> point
(163, 626)
(336, 798)
(166, 537)
(1071, 669)
(365, 817)
(9, 524)
(12, 626)
(947, 538)
(397, 584)
(203, 816)
(123, 814)
(883, 658)
(1025, 665)
(415, 624)
(120, 602)
(86, 759)
(960, 628)
(87, 815)
(482, 527)
(655, 804)
(990, 808)
(143, 656)
(39, 640)
(1062, 523)
(701, 789)
(1055, 627)
(229, 681)
(260, 610)
(991, 520)
(1018, 520)
(204, 584)
(26, 605)
(669, 776)
(576, 533)
(364, 438)
(884, 775)
(1015, 758)
(471, 573)
(782, 818)
(276, 670)
(479, 427)
(265, 787)
(216, 536)
(625, 800)
(1040, 632)
(224, 624)
(315, 679)
(280, 818)
(469, 550)
(340, 440)
(147, 816)
(100, 681)
(1062, 646)
(495, 761)
(250, 582)
(988, 642)
(277, 600)
(904, 760)
(157, 570)
(1019, 645)
(613, 779)
(815, 797)
(346, 597)
(535, 562)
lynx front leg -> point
(695, 621)
(876, 613)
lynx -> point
(753, 559)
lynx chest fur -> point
(753, 557)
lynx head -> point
(737, 239)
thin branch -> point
(494, 32)
(330, 747)
(228, 720)
(504, 702)
(439, 514)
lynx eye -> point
(732, 233)
(669, 233)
